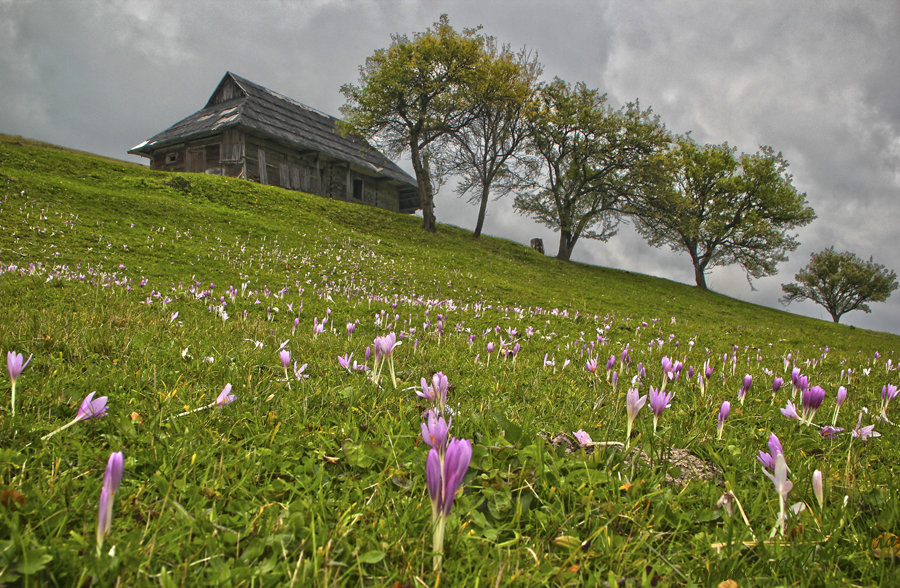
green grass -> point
(320, 481)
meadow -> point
(156, 290)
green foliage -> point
(589, 159)
(723, 210)
(841, 282)
(320, 481)
(415, 93)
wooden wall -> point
(255, 158)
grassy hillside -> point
(157, 289)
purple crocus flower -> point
(91, 408)
(782, 485)
(888, 393)
(490, 347)
(811, 400)
(776, 385)
(611, 363)
(444, 481)
(864, 433)
(830, 432)
(677, 368)
(625, 357)
(667, 367)
(633, 405)
(841, 396)
(591, 365)
(385, 345)
(456, 463)
(583, 438)
(819, 488)
(225, 396)
(345, 361)
(298, 372)
(285, 357)
(112, 478)
(427, 391)
(435, 430)
(659, 401)
(440, 385)
(15, 365)
(748, 381)
(768, 459)
(723, 416)
(434, 480)
(790, 411)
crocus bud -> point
(818, 488)
(723, 416)
(111, 479)
(841, 395)
(776, 385)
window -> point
(172, 157)
(357, 189)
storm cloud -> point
(818, 81)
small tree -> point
(415, 94)
(841, 282)
(721, 209)
(482, 151)
(589, 160)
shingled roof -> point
(270, 113)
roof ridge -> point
(242, 81)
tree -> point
(723, 209)
(841, 282)
(415, 94)
(483, 150)
(589, 160)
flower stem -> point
(391, 366)
(62, 428)
(438, 543)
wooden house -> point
(248, 131)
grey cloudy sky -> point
(817, 80)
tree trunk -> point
(699, 266)
(700, 276)
(423, 179)
(485, 192)
(565, 246)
